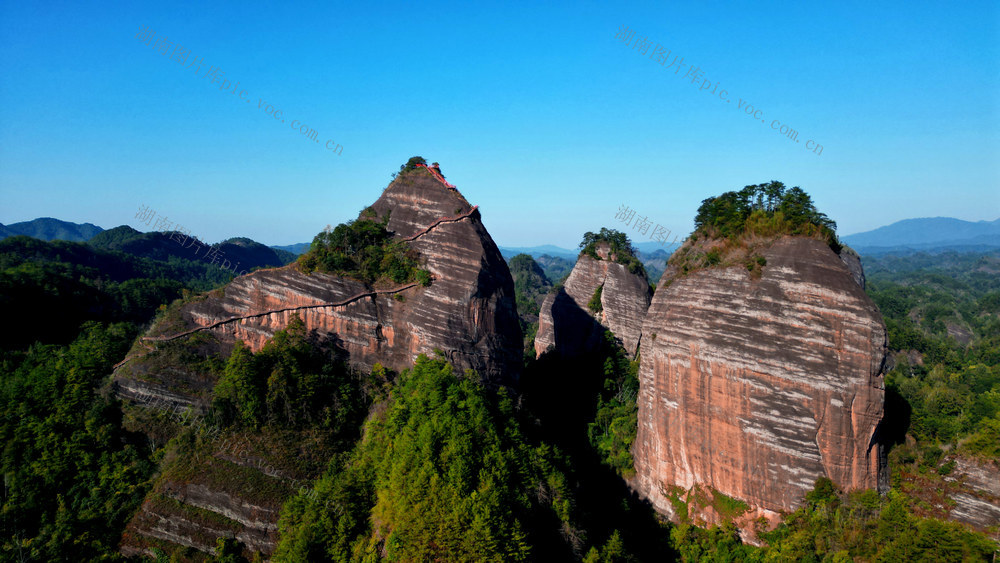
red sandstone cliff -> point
(757, 387)
(468, 312)
(566, 324)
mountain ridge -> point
(49, 228)
(927, 232)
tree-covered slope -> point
(51, 288)
(236, 254)
(442, 473)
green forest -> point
(430, 464)
(942, 312)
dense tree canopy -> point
(290, 383)
(764, 208)
(951, 389)
(72, 475)
(443, 473)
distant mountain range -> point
(47, 228)
(925, 234)
(645, 248)
(296, 249)
(239, 250)
(930, 233)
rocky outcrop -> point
(977, 500)
(468, 312)
(568, 325)
(753, 387)
(196, 517)
(852, 260)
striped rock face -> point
(757, 387)
(468, 312)
(566, 324)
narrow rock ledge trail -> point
(347, 301)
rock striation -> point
(568, 325)
(752, 388)
(976, 498)
(468, 312)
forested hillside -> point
(444, 468)
(47, 228)
(238, 254)
(943, 316)
(73, 474)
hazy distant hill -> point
(296, 249)
(536, 251)
(928, 233)
(530, 286)
(555, 267)
(47, 228)
(241, 253)
(652, 247)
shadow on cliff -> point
(896, 422)
(559, 393)
(574, 331)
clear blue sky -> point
(537, 113)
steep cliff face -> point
(566, 324)
(755, 387)
(468, 312)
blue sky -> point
(537, 113)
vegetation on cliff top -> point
(413, 163)
(764, 209)
(732, 229)
(364, 249)
(621, 249)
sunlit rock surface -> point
(756, 387)
(566, 324)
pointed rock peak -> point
(607, 290)
(419, 196)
